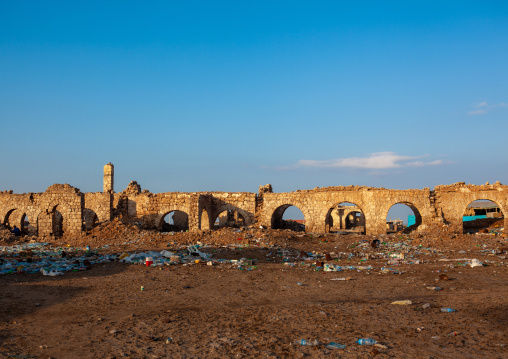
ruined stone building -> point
(65, 209)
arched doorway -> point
(9, 220)
(229, 218)
(288, 217)
(402, 216)
(204, 220)
(174, 221)
(482, 216)
(58, 225)
(27, 227)
(345, 216)
(90, 219)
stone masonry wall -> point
(317, 204)
(150, 209)
(98, 208)
(452, 200)
(58, 210)
(64, 209)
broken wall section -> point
(61, 213)
(98, 208)
(451, 201)
(237, 207)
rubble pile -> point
(5, 233)
(293, 225)
(113, 231)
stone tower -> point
(109, 178)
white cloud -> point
(477, 112)
(377, 161)
(435, 163)
(483, 107)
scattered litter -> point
(334, 345)
(448, 310)
(148, 261)
(307, 342)
(402, 302)
(166, 254)
(476, 263)
(366, 341)
(336, 268)
(51, 273)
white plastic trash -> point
(476, 263)
(402, 302)
(167, 254)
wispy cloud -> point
(375, 161)
(483, 107)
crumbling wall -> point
(62, 201)
(318, 204)
(452, 200)
(202, 208)
(64, 209)
(98, 208)
(15, 208)
(242, 203)
(152, 208)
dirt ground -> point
(261, 310)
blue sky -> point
(227, 96)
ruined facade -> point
(65, 209)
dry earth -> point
(262, 310)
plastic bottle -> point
(307, 342)
(333, 345)
(366, 341)
(447, 310)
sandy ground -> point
(219, 311)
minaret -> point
(109, 178)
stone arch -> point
(483, 223)
(90, 219)
(353, 218)
(205, 211)
(343, 212)
(28, 224)
(58, 222)
(417, 213)
(52, 221)
(181, 222)
(204, 220)
(227, 216)
(235, 215)
(9, 218)
(277, 221)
